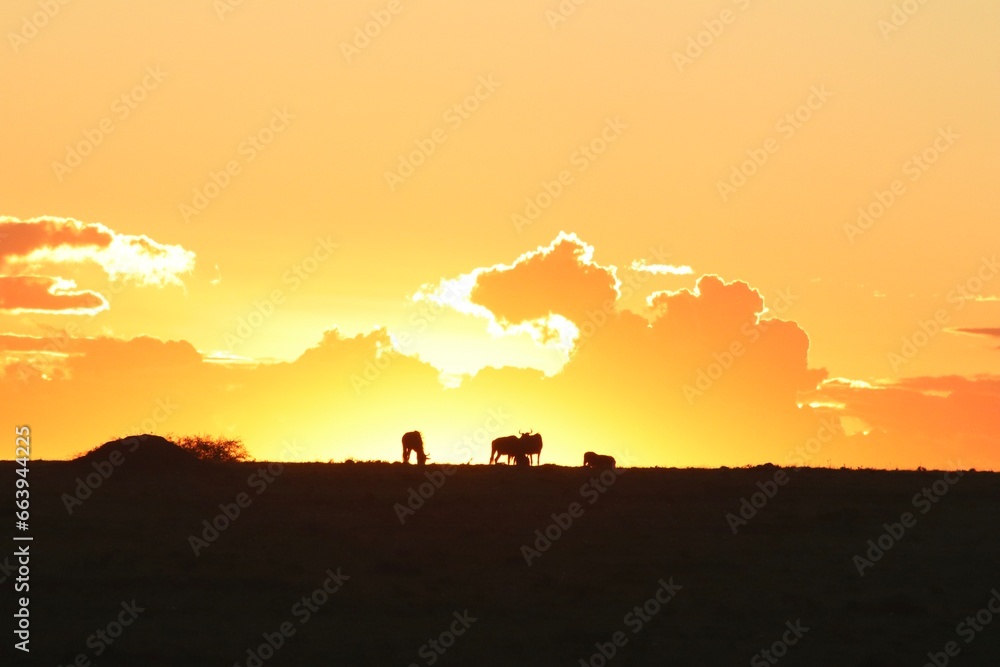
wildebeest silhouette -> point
(531, 444)
(507, 445)
(592, 460)
(521, 459)
(413, 442)
(511, 446)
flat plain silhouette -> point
(414, 442)
(132, 536)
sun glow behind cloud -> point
(544, 340)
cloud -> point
(42, 294)
(52, 240)
(979, 331)
(561, 278)
(990, 332)
(660, 269)
(21, 238)
(527, 312)
(923, 421)
(107, 355)
(68, 355)
(713, 311)
(18, 343)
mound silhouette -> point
(145, 450)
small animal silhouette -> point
(592, 460)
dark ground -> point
(462, 551)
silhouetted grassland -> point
(462, 550)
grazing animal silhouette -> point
(508, 446)
(521, 459)
(592, 460)
(413, 442)
(531, 444)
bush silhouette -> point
(216, 449)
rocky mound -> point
(142, 450)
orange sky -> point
(257, 220)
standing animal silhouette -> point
(507, 445)
(531, 444)
(512, 446)
(413, 442)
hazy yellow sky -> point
(317, 166)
